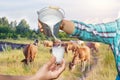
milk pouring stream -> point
(51, 20)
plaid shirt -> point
(108, 33)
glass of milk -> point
(58, 52)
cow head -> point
(71, 66)
(75, 60)
(36, 42)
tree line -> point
(14, 30)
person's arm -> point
(88, 32)
(11, 77)
(47, 72)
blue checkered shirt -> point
(108, 33)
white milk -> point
(51, 20)
(58, 52)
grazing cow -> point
(72, 47)
(94, 46)
(47, 43)
(82, 54)
(30, 51)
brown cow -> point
(72, 47)
(30, 51)
(94, 46)
(47, 43)
(82, 54)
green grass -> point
(105, 69)
(10, 63)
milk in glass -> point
(58, 52)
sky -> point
(88, 11)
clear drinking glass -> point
(58, 52)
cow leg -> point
(83, 65)
(97, 50)
(32, 57)
(92, 50)
(66, 51)
(88, 62)
(28, 59)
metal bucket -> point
(50, 15)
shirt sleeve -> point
(104, 32)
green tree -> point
(23, 28)
(62, 35)
(4, 22)
(13, 25)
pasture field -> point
(10, 63)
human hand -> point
(66, 26)
(40, 26)
(50, 70)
